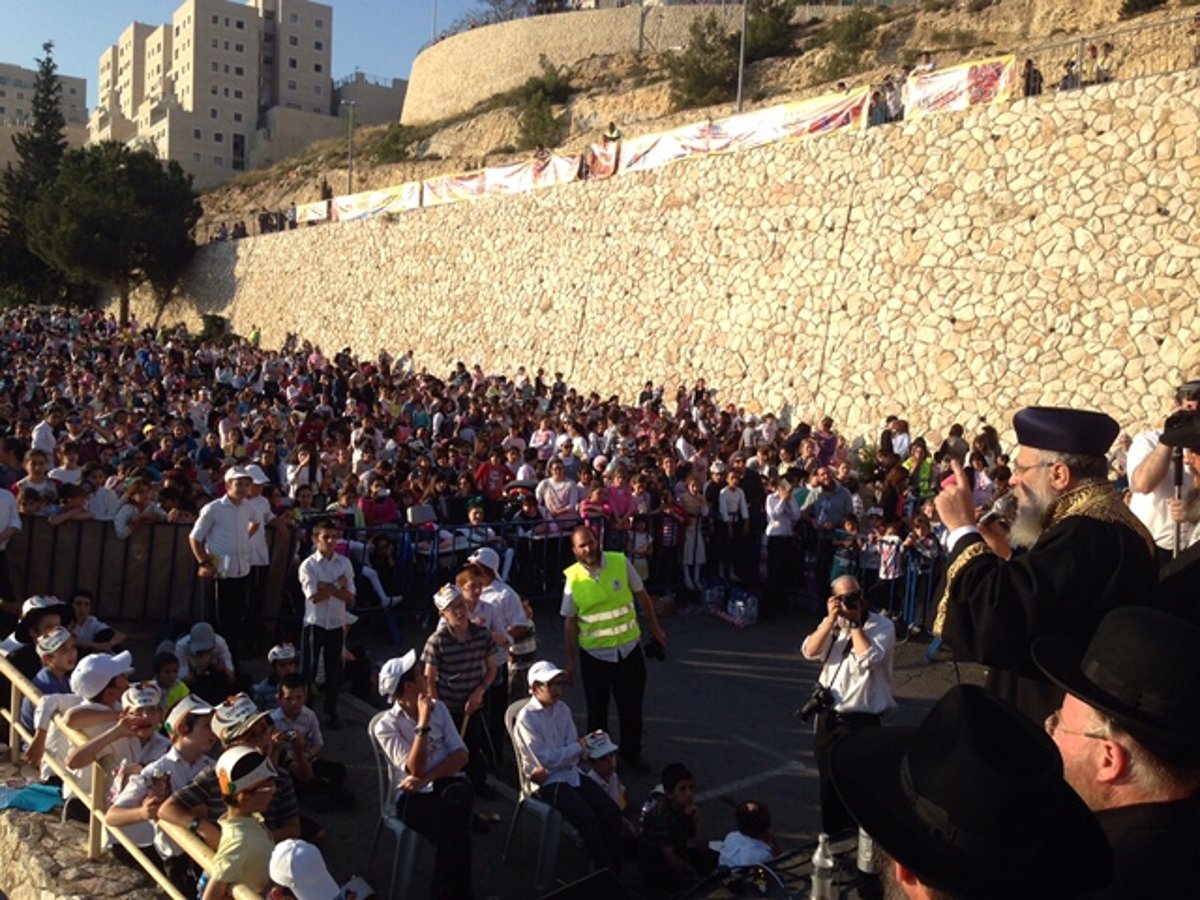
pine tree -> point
(23, 275)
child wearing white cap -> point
(548, 751)
(59, 655)
(134, 736)
(299, 867)
(247, 781)
(283, 660)
(135, 808)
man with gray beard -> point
(1084, 554)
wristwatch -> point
(194, 826)
(422, 729)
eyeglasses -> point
(1017, 471)
(1054, 723)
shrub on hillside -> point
(849, 37)
(1131, 8)
(769, 28)
(706, 71)
(538, 126)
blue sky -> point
(380, 37)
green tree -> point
(1132, 8)
(705, 72)
(116, 216)
(538, 126)
(769, 28)
(23, 275)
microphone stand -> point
(1177, 462)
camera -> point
(820, 700)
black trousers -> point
(316, 640)
(625, 682)
(781, 573)
(444, 817)
(831, 726)
(476, 739)
(228, 613)
(594, 815)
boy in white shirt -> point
(299, 742)
(327, 580)
(752, 843)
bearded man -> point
(1084, 554)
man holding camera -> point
(857, 650)
(1151, 477)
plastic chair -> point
(408, 841)
(551, 819)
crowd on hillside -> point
(232, 439)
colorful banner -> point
(960, 87)
(526, 176)
(453, 188)
(650, 151)
(312, 212)
(368, 204)
(804, 118)
(602, 160)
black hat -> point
(37, 608)
(1142, 670)
(1063, 430)
(973, 801)
(1182, 429)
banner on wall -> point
(526, 176)
(453, 188)
(312, 212)
(803, 118)
(602, 160)
(368, 204)
(649, 151)
(960, 87)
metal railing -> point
(95, 797)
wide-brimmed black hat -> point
(1182, 429)
(1061, 430)
(1141, 669)
(37, 608)
(973, 801)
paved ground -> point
(722, 702)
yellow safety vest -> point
(604, 604)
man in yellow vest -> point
(601, 620)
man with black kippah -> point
(1084, 554)
(1129, 734)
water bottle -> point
(822, 871)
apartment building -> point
(224, 87)
(16, 107)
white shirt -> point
(739, 850)
(221, 654)
(782, 515)
(259, 554)
(10, 517)
(396, 733)
(1151, 507)
(43, 439)
(306, 723)
(224, 527)
(858, 684)
(315, 570)
(731, 505)
(103, 504)
(512, 614)
(181, 773)
(546, 736)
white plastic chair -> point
(551, 819)
(408, 841)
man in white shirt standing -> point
(1151, 476)
(220, 542)
(45, 433)
(857, 650)
(260, 554)
(548, 750)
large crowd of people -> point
(673, 490)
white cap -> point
(281, 653)
(235, 717)
(543, 672)
(393, 670)
(598, 744)
(299, 867)
(486, 557)
(256, 474)
(141, 695)
(446, 595)
(241, 768)
(235, 472)
(96, 670)
(191, 705)
(53, 639)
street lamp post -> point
(433, 27)
(742, 55)
(350, 148)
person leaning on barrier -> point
(971, 804)
(854, 689)
(1086, 554)
(1129, 734)
(427, 757)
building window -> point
(237, 117)
(214, 43)
(292, 64)
(239, 48)
(293, 41)
(226, 92)
(227, 21)
(268, 38)
(227, 45)
(291, 85)
(317, 67)
(218, 137)
(241, 25)
(216, 20)
(216, 67)
(317, 90)
(214, 90)
(196, 157)
(238, 94)
(320, 23)
(197, 134)
(212, 113)
(293, 18)
(239, 71)
(318, 45)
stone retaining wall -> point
(953, 268)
